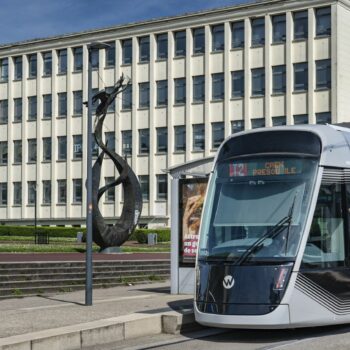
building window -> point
(61, 191)
(323, 74)
(301, 27)
(198, 88)
(3, 152)
(77, 147)
(162, 187)
(162, 46)
(198, 40)
(144, 183)
(17, 151)
(17, 193)
(323, 118)
(62, 104)
(46, 192)
(144, 95)
(3, 111)
(162, 93)
(62, 61)
(238, 35)
(278, 121)
(17, 61)
(77, 191)
(32, 63)
(218, 134)
(238, 83)
(110, 193)
(31, 150)
(162, 140)
(32, 107)
(144, 49)
(323, 21)
(301, 119)
(3, 193)
(95, 58)
(237, 126)
(198, 137)
(258, 123)
(111, 107)
(258, 82)
(126, 142)
(17, 109)
(180, 43)
(47, 149)
(279, 29)
(94, 147)
(110, 55)
(180, 138)
(144, 141)
(78, 59)
(218, 86)
(31, 192)
(96, 103)
(127, 98)
(258, 31)
(218, 37)
(47, 106)
(47, 60)
(110, 140)
(279, 79)
(127, 51)
(300, 76)
(180, 90)
(77, 102)
(4, 69)
(62, 147)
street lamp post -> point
(88, 282)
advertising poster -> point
(192, 194)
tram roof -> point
(335, 141)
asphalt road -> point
(330, 338)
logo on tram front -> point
(228, 282)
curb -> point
(106, 331)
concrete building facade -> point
(195, 79)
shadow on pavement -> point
(60, 300)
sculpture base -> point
(110, 250)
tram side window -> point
(326, 244)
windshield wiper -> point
(272, 233)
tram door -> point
(326, 257)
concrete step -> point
(81, 274)
(96, 264)
(48, 289)
(97, 269)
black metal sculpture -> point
(106, 236)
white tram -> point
(274, 248)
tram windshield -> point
(256, 209)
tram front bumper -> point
(277, 319)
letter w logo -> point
(228, 282)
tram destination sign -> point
(266, 168)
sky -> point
(31, 19)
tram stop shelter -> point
(188, 188)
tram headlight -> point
(281, 280)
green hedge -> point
(8, 230)
(139, 235)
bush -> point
(8, 230)
(140, 235)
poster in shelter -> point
(192, 194)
